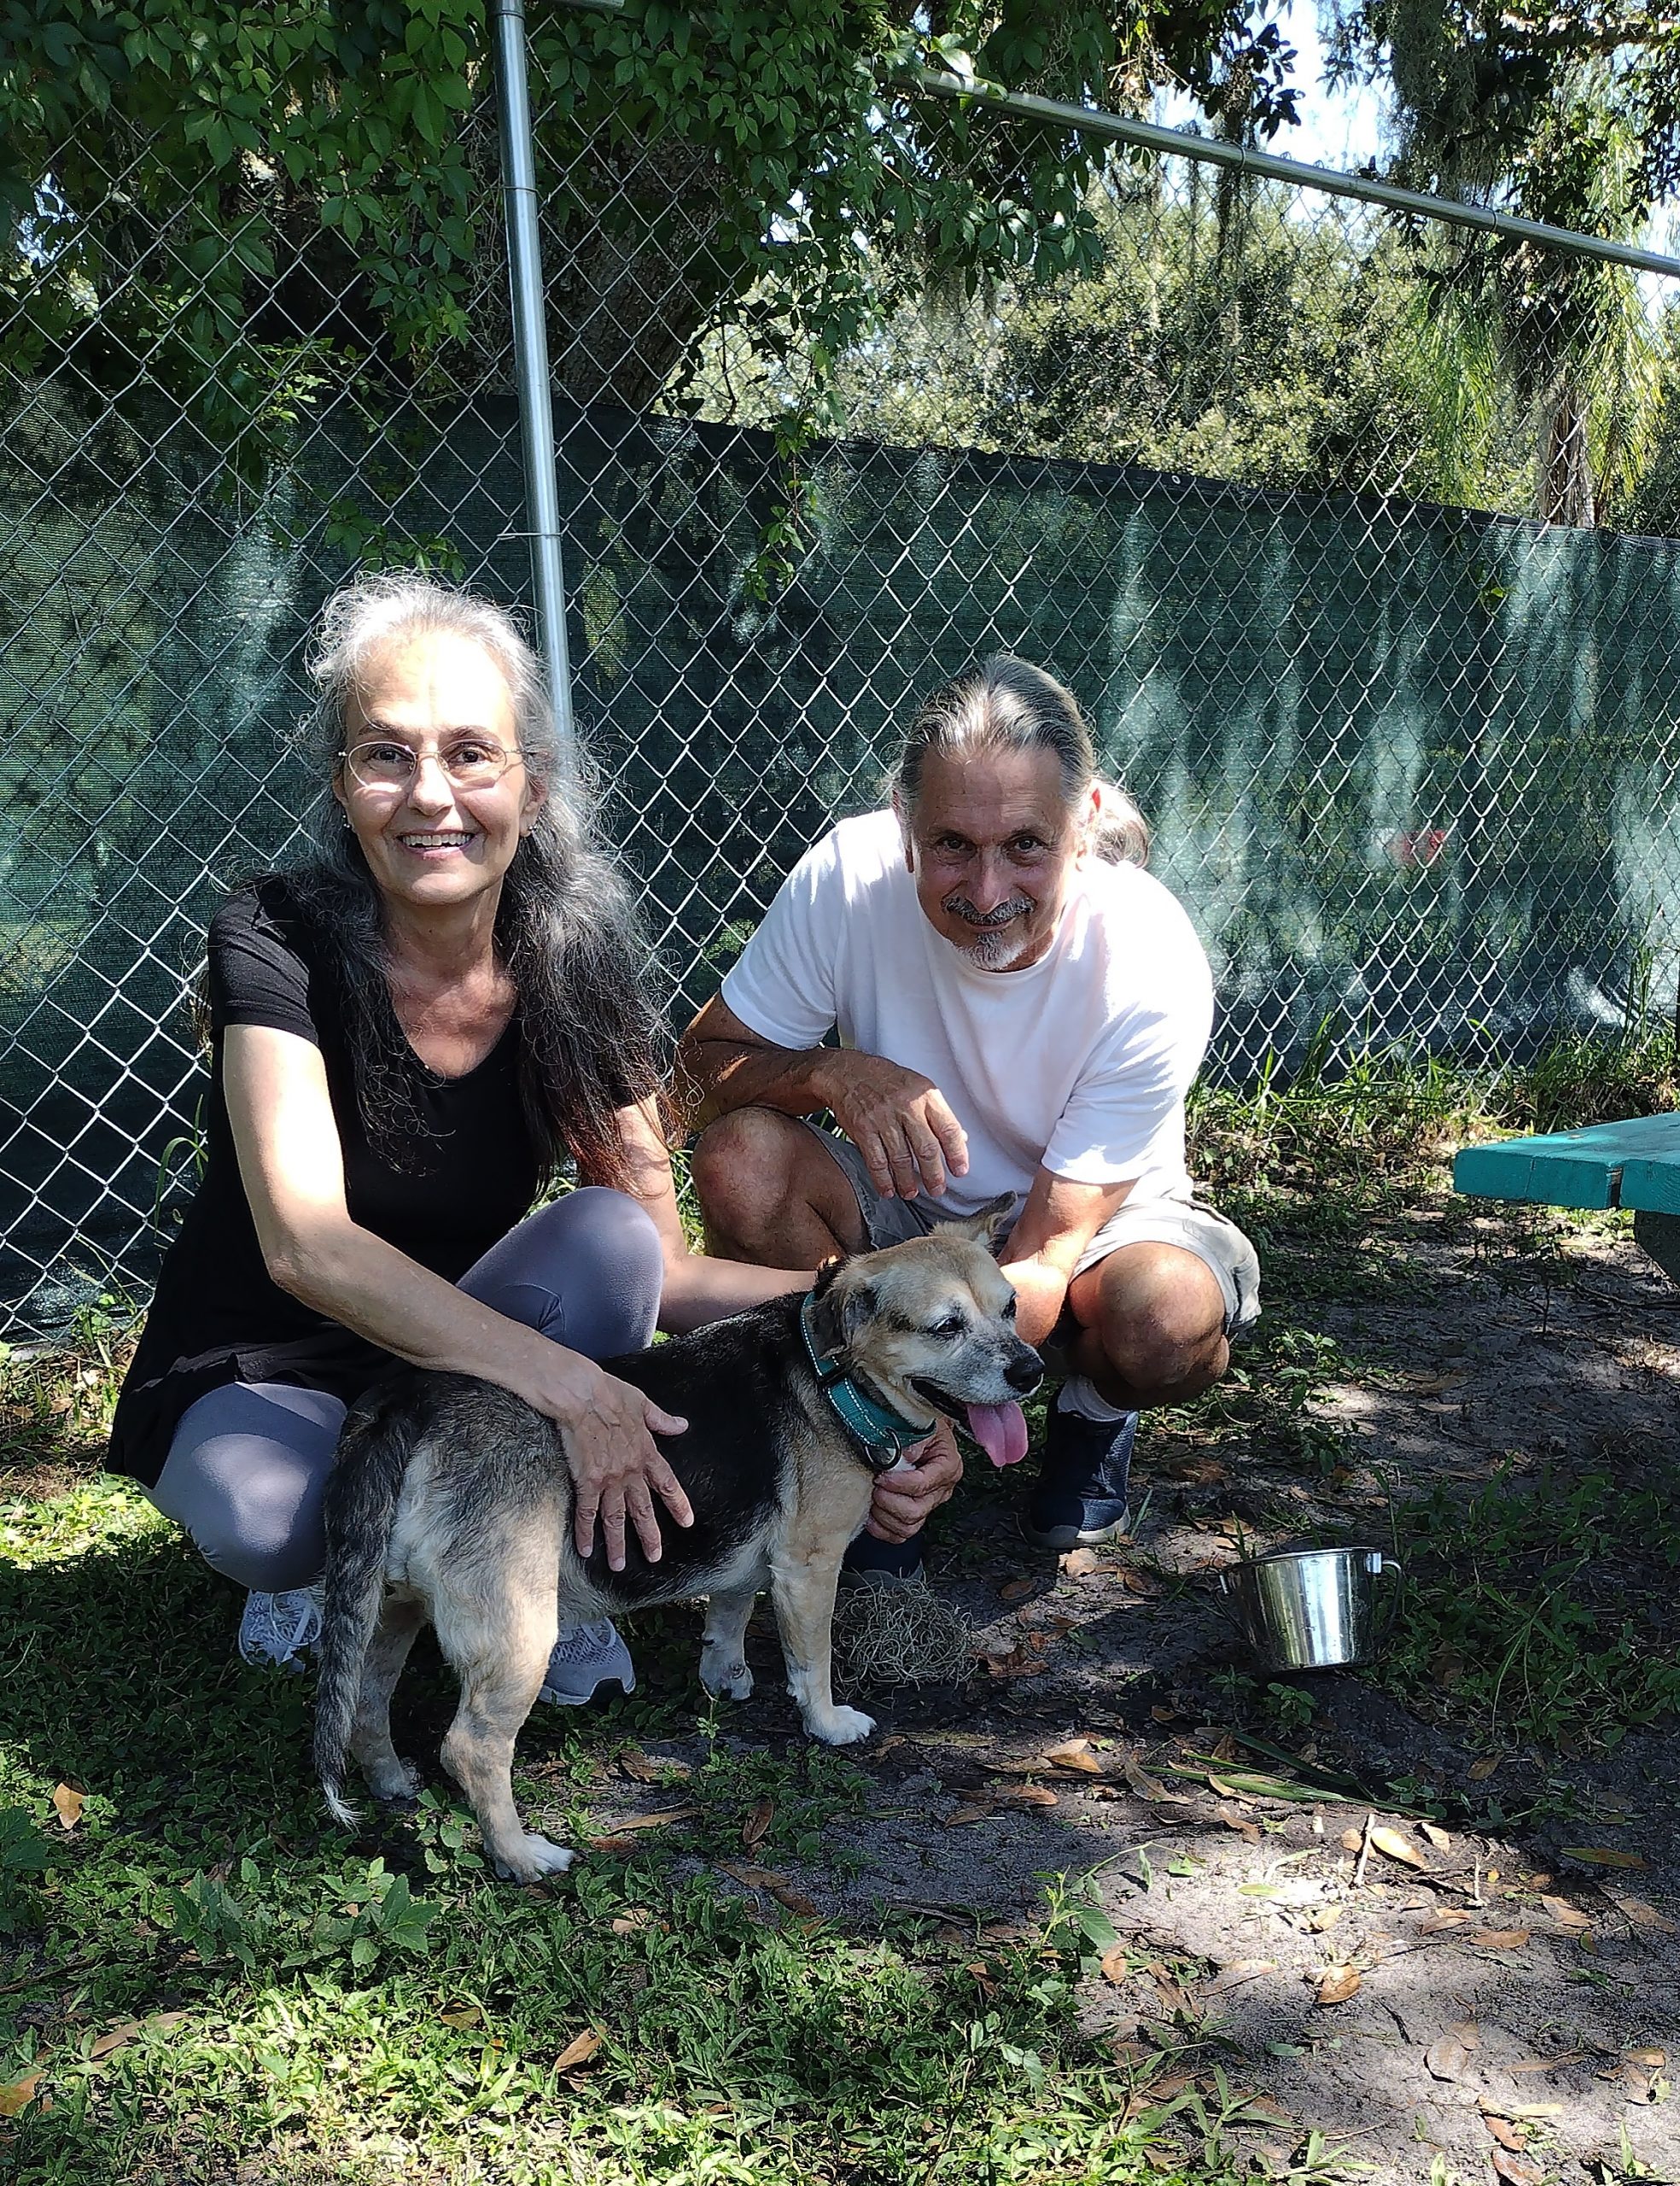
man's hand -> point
(897, 1119)
(904, 1501)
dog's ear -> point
(836, 1318)
(993, 1220)
(828, 1334)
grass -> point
(1543, 1610)
(201, 1981)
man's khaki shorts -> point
(1190, 1224)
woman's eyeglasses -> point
(467, 761)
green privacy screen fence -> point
(1350, 524)
(1412, 769)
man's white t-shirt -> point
(1079, 1063)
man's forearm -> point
(1041, 1292)
(719, 1075)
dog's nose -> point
(1025, 1373)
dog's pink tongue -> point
(1000, 1430)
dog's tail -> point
(360, 1510)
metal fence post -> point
(530, 339)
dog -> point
(451, 1500)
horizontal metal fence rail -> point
(1351, 526)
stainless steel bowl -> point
(1310, 1609)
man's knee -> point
(743, 1166)
(1161, 1322)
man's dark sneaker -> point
(872, 1562)
(1080, 1497)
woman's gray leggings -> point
(249, 1462)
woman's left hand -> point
(904, 1501)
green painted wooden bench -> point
(1635, 1164)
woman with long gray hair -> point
(411, 1035)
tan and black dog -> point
(451, 1500)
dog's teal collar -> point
(879, 1430)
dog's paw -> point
(844, 1726)
(726, 1680)
(535, 1858)
(399, 1787)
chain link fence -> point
(1351, 529)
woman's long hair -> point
(566, 931)
(1007, 704)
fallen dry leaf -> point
(1175, 1998)
(1508, 2134)
(18, 2095)
(892, 1739)
(1262, 2108)
(1076, 1754)
(1446, 2059)
(1435, 1836)
(1321, 1917)
(1604, 1856)
(1480, 1771)
(958, 1817)
(1352, 1840)
(618, 1841)
(1565, 1915)
(1243, 1826)
(465, 2014)
(1004, 1931)
(636, 1765)
(67, 1804)
(1139, 1582)
(116, 2038)
(1525, 2066)
(1498, 1939)
(654, 1820)
(1337, 1983)
(1081, 1562)
(753, 1828)
(1443, 1918)
(1115, 1965)
(1147, 1788)
(1467, 2032)
(579, 2051)
(1027, 1795)
(778, 1886)
(1653, 2061)
(1393, 1846)
(1017, 1589)
(1514, 2169)
(633, 1920)
(1237, 1975)
(1643, 1915)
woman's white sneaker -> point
(275, 1628)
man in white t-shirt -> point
(1021, 1009)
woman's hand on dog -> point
(607, 1428)
(904, 1501)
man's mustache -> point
(1000, 914)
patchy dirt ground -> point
(1492, 1992)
